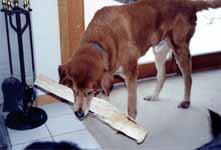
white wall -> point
(91, 6)
(4, 58)
(46, 38)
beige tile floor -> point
(169, 128)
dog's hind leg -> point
(183, 59)
(179, 40)
(160, 52)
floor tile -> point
(57, 109)
(18, 147)
(82, 138)
(22, 146)
(64, 124)
(19, 137)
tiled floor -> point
(61, 126)
(169, 128)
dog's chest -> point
(161, 46)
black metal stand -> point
(19, 120)
(25, 116)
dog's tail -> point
(205, 4)
(215, 123)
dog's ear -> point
(62, 71)
(107, 83)
(65, 78)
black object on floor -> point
(215, 123)
(215, 144)
(18, 120)
(18, 100)
(52, 146)
(12, 92)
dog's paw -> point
(151, 98)
(184, 104)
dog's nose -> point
(80, 114)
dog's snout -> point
(80, 114)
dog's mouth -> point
(80, 114)
(83, 102)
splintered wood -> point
(102, 109)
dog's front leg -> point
(131, 83)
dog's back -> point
(143, 23)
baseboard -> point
(46, 99)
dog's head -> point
(87, 77)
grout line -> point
(63, 115)
(49, 132)
(31, 141)
(84, 128)
(94, 139)
(8, 136)
(81, 130)
(76, 131)
(37, 138)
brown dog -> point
(118, 35)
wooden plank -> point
(102, 109)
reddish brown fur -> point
(125, 33)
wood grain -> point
(71, 21)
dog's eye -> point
(89, 93)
